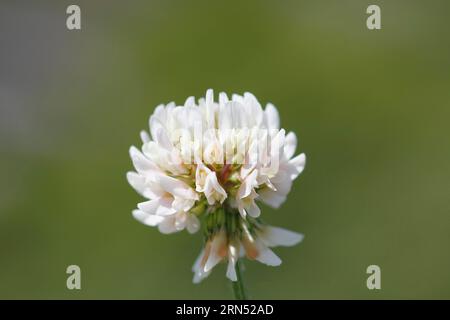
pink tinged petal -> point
(212, 179)
(212, 261)
(153, 190)
(199, 274)
(290, 144)
(147, 219)
(201, 174)
(214, 257)
(297, 165)
(167, 225)
(275, 236)
(272, 117)
(165, 206)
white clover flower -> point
(209, 164)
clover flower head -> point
(207, 165)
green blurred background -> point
(371, 110)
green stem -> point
(238, 286)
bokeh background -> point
(371, 110)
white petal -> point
(290, 144)
(159, 133)
(209, 99)
(160, 113)
(223, 98)
(242, 211)
(142, 163)
(147, 219)
(198, 277)
(162, 138)
(271, 198)
(247, 186)
(255, 112)
(253, 210)
(176, 187)
(233, 255)
(213, 189)
(196, 265)
(231, 271)
(275, 236)
(238, 115)
(159, 206)
(180, 221)
(225, 117)
(268, 257)
(190, 102)
(192, 224)
(144, 136)
(297, 165)
(181, 204)
(272, 117)
(283, 187)
(155, 123)
(277, 149)
(212, 261)
(136, 181)
(149, 206)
